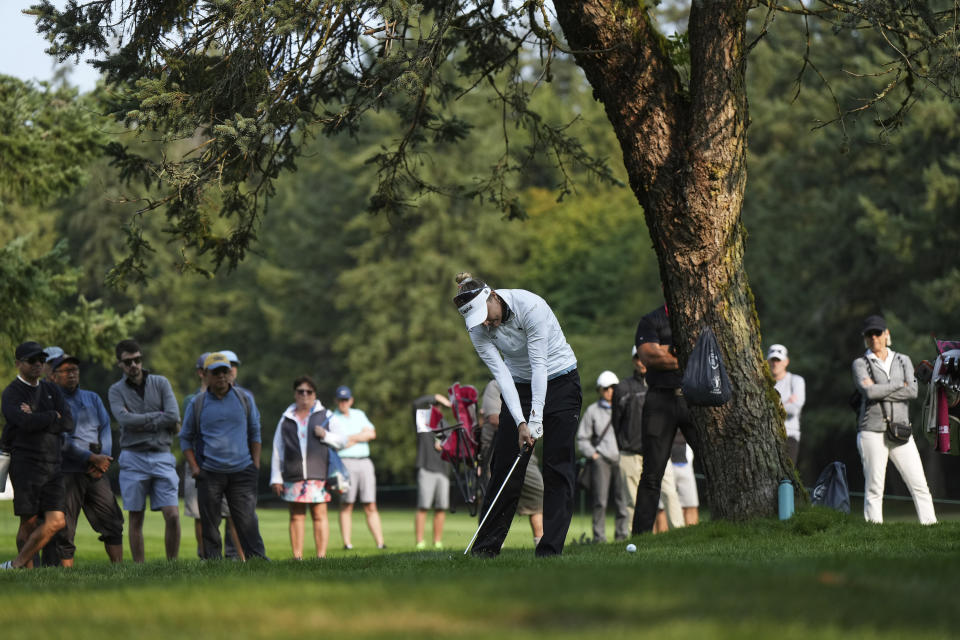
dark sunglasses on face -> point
(873, 333)
(220, 371)
(36, 359)
(132, 361)
(305, 392)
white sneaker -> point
(7, 565)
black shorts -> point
(37, 487)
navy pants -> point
(240, 488)
(561, 416)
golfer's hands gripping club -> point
(529, 433)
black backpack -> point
(831, 489)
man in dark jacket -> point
(628, 400)
(36, 417)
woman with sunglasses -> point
(518, 337)
(887, 383)
(298, 468)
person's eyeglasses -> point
(69, 371)
(220, 371)
(305, 392)
(873, 333)
(132, 361)
(37, 359)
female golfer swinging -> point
(516, 334)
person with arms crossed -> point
(793, 394)
(665, 411)
(144, 405)
(36, 417)
(887, 383)
(518, 337)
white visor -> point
(475, 311)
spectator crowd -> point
(636, 442)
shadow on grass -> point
(820, 574)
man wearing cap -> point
(793, 393)
(230, 548)
(235, 371)
(597, 442)
(190, 507)
(36, 417)
(144, 405)
(628, 399)
(220, 439)
(353, 423)
(52, 352)
(86, 458)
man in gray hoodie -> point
(144, 405)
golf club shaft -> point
(493, 503)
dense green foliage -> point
(845, 223)
(819, 575)
(842, 224)
(48, 137)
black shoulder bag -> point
(897, 432)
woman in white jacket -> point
(299, 464)
(518, 337)
(887, 383)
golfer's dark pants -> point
(240, 488)
(663, 413)
(95, 497)
(560, 420)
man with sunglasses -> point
(36, 417)
(146, 408)
(220, 439)
(87, 456)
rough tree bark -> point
(685, 153)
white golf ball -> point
(631, 548)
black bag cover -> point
(705, 381)
(831, 489)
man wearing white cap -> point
(793, 393)
(598, 444)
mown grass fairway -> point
(820, 575)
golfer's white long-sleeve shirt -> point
(528, 348)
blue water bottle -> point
(785, 499)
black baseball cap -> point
(874, 323)
(27, 350)
(56, 362)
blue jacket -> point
(91, 427)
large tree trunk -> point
(685, 154)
